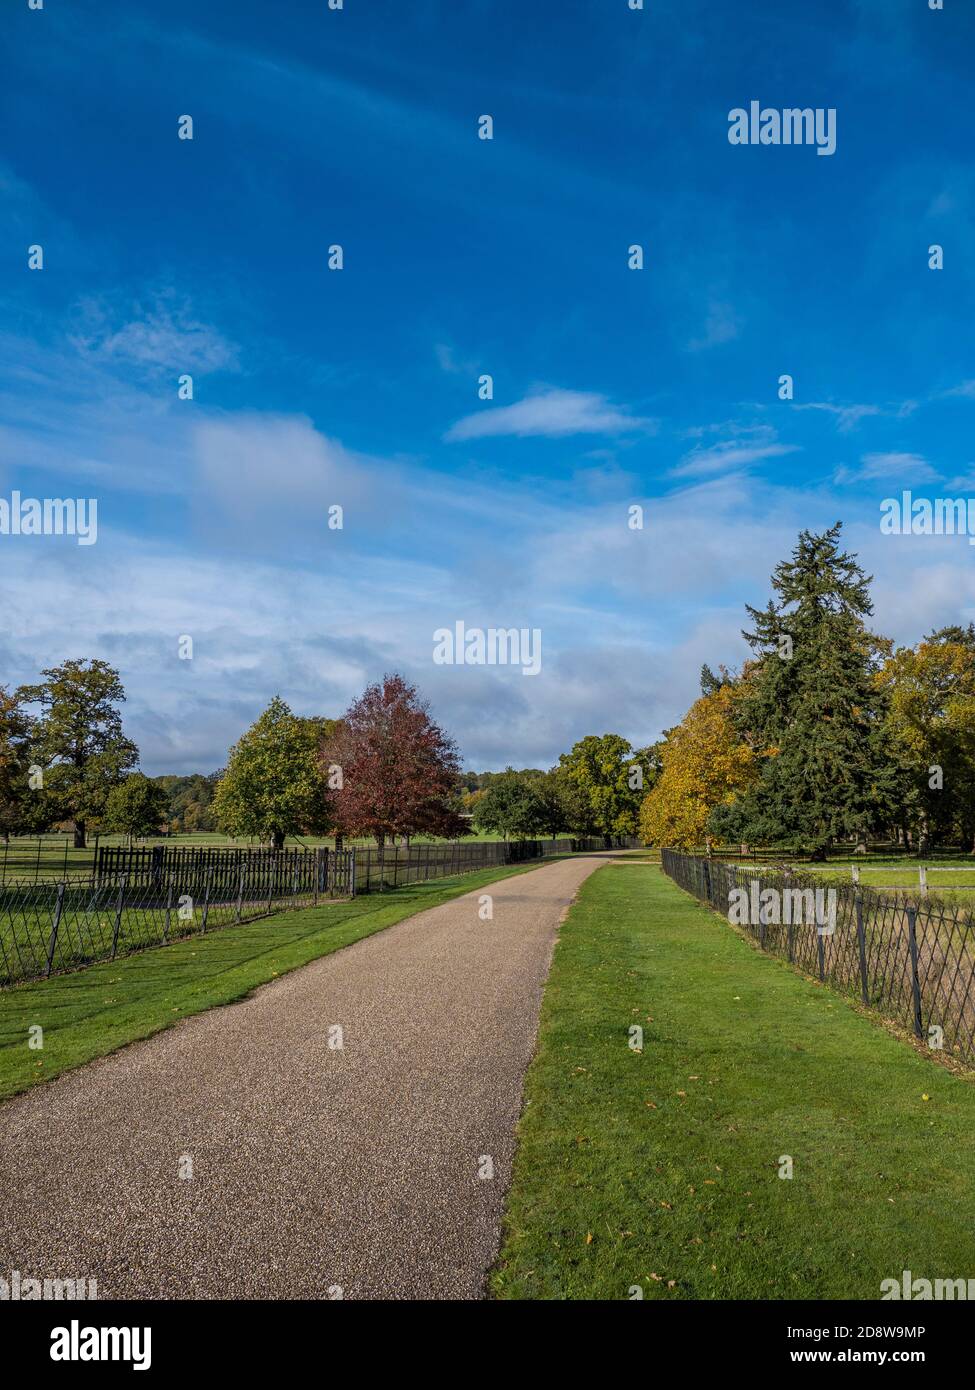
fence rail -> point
(143, 896)
(912, 961)
(48, 928)
(393, 867)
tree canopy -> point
(392, 768)
(274, 785)
(78, 741)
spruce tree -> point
(812, 706)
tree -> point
(397, 768)
(274, 784)
(14, 764)
(78, 740)
(137, 806)
(511, 805)
(704, 765)
(549, 789)
(190, 800)
(605, 782)
(931, 719)
(812, 707)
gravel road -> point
(317, 1171)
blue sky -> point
(462, 257)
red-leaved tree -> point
(397, 767)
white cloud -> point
(847, 416)
(896, 467)
(722, 325)
(725, 458)
(164, 336)
(552, 413)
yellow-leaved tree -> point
(704, 765)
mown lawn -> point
(659, 1170)
(94, 1011)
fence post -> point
(206, 900)
(862, 942)
(922, 878)
(272, 867)
(169, 909)
(240, 895)
(58, 906)
(915, 981)
(352, 864)
(820, 951)
(118, 912)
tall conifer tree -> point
(812, 706)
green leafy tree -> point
(606, 780)
(511, 806)
(274, 785)
(137, 806)
(812, 709)
(15, 791)
(550, 791)
(190, 800)
(78, 741)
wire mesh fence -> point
(913, 961)
(47, 928)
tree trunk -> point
(339, 841)
(278, 839)
(79, 835)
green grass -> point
(659, 1169)
(94, 1011)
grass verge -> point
(660, 1169)
(94, 1011)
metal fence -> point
(395, 866)
(143, 896)
(913, 961)
(47, 928)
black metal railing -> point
(395, 866)
(47, 928)
(913, 960)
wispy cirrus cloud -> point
(550, 413)
(722, 325)
(727, 457)
(847, 416)
(162, 335)
(894, 466)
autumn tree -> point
(77, 740)
(393, 769)
(703, 765)
(274, 785)
(931, 719)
